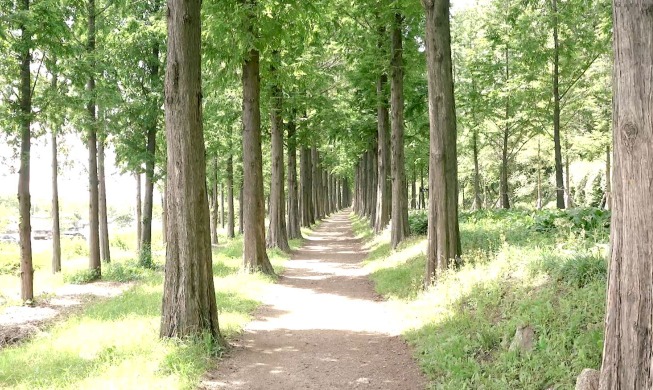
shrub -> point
(83, 276)
(418, 223)
(577, 220)
(577, 271)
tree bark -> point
(317, 183)
(569, 201)
(560, 185)
(24, 196)
(539, 177)
(222, 212)
(56, 230)
(383, 194)
(146, 231)
(214, 202)
(478, 204)
(422, 196)
(400, 228)
(294, 220)
(139, 212)
(105, 252)
(94, 223)
(189, 305)
(277, 232)
(231, 223)
(306, 187)
(608, 179)
(628, 346)
(241, 227)
(255, 257)
(443, 237)
(504, 187)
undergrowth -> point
(514, 274)
(114, 343)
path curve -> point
(321, 327)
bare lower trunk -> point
(384, 185)
(443, 233)
(277, 234)
(294, 220)
(400, 229)
(422, 190)
(24, 197)
(539, 178)
(628, 346)
(608, 179)
(105, 253)
(478, 205)
(139, 203)
(255, 257)
(231, 224)
(241, 223)
(214, 202)
(56, 231)
(94, 223)
(504, 187)
(189, 305)
(560, 186)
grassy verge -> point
(114, 343)
(512, 276)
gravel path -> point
(321, 327)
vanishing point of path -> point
(321, 327)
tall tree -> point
(24, 197)
(400, 227)
(383, 194)
(560, 184)
(443, 231)
(277, 232)
(56, 231)
(255, 257)
(627, 355)
(189, 305)
(294, 218)
(94, 201)
(105, 253)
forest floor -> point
(322, 326)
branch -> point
(582, 73)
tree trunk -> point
(105, 252)
(146, 232)
(189, 304)
(222, 212)
(560, 186)
(504, 187)
(628, 346)
(608, 179)
(241, 227)
(569, 201)
(400, 229)
(443, 237)
(139, 212)
(277, 233)
(478, 205)
(384, 185)
(94, 223)
(255, 257)
(56, 231)
(294, 220)
(164, 215)
(231, 223)
(214, 202)
(306, 186)
(24, 196)
(422, 196)
(413, 189)
(317, 183)
(539, 177)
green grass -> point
(512, 276)
(114, 343)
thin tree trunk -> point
(478, 205)
(189, 305)
(422, 200)
(294, 220)
(504, 187)
(400, 228)
(560, 186)
(255, 257)
(384, 185)
(24, 196)
(146, 232)
(628, 346)
(277, 234)
(444, 240)
(413, 189)
(105, 252)
(139, 212)
(608, 179)
(214, 202)
(316, 183)
(569, 201)
(231, 223)
(56, 231)
(94, 223)
(306, 186)
(539, 176)
(241, 224)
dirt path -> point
(322, 327)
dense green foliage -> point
(513, 276)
